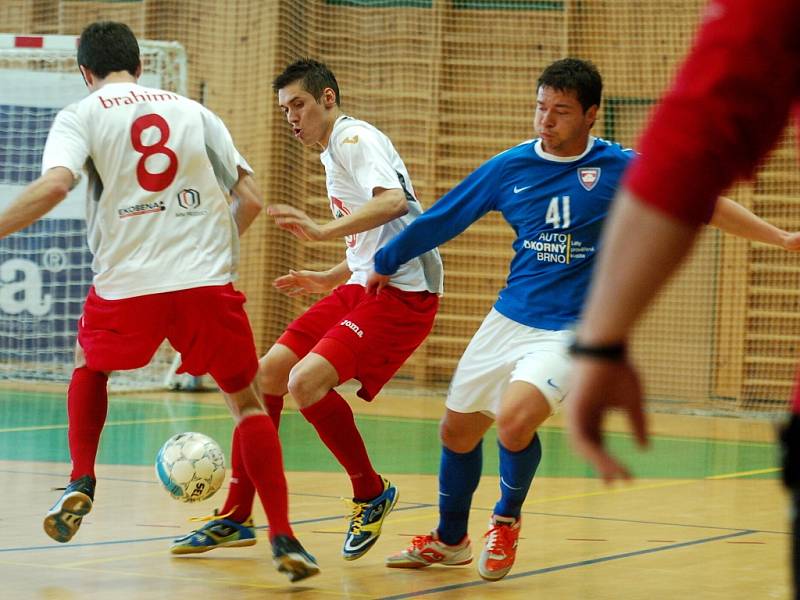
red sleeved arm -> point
(725, 110)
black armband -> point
(611, 352)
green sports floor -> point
(33, 428)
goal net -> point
(452, 82)
(45, 269)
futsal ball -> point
(190, 466)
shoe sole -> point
(493, 576)
(296, 567)
(374, 539)
(422, 565)
(64, 519)
(200, 549)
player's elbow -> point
(55, 191)
(56, 184)
(397, 204)
(246, 190)
(254, 205)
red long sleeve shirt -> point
(725, 110)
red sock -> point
(261, 451)
(241, 492)
(274, 406)
(87, 406)
(333, 420)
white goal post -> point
(45, 270)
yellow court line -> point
(602, 492)
(556, 428)
(129, 422)
(607, 492)
(703, 440)
(144, 574)
(744, 473)
(617, 490)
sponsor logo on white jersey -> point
(189, 200)
(339, 210)
(141, 209)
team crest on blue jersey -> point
(588, 176)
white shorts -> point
(502, 351)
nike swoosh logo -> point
(348, 546)
(553, 385)
(517, 190)
(511, 487)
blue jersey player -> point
(555, 192)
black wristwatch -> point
(610, 352)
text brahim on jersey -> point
(133, 97)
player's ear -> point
(138, 72)
(88, 76)
(329, 97)
(591, 114)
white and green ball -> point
(190, 466)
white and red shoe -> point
(426, 550)
(500, 549)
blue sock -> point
(516, 474)
(459, 475)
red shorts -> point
(364, 336)
(207, 325)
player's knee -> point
(273, 373)
(514, 433)
(456, 438)
(269, 379)
(303, 386)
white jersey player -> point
(359, 158)
(348, 334)
(153, 184)
(165, 244)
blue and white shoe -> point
(366, 520)
(219, 532)
(64, 519)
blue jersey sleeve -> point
(448, 217)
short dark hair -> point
(315, 76)
(108, 46)
(577, 75)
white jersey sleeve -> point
(225, 158)
(67, 145)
